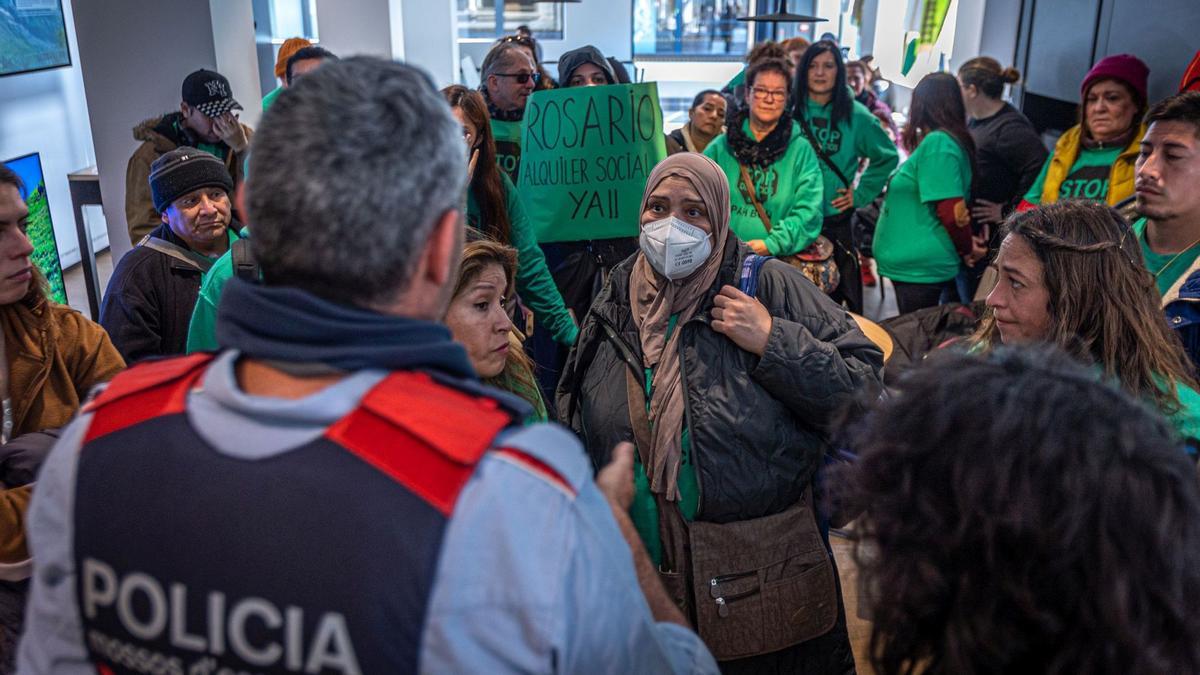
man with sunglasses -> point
(509, 77)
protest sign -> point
(585, 156)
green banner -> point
(585, 156)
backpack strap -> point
(748, 280)
(189, 258)
(245, 267)
(820, 149)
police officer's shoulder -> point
(548, 452)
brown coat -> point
(55, 356)
(140, 214)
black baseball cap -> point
(209, 92)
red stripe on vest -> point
(538, 468)
(425, 436)
(143, 392)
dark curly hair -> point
(1023, 516)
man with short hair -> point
(337, 491)
(205, 121)
(149, 301)
(1168, 201)
(305, 61)
(508, 79)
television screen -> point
(40, 229)
(33, 34)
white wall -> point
(350, 27)
(46, 112)
(237, 54)
(428, 37)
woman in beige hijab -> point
(728, 397)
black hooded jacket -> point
(759, 426)
(568, 62)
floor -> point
(77, 290)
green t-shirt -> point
(1087, 179)
(911, 245)
(644, 510)
(202, 331)
(862, 137)
(270, 97)
(1166, 267)
(534, 283)
(508, 147)
(790, 191)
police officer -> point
(336, 491)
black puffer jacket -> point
(758, 426)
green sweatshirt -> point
(534, 283)
(1087, 179)
(202, 331)
(508, 147)
(862, 137)
(790, 191)
(911, 245)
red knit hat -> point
(1191, 76)
(1124, 67)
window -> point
(691, 27)
(492, 19)
(278, 20)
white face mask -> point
(674, 248)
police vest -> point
(320, 559)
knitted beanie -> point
(290, 46)
(1127, 68)
(183, 170)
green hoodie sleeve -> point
(1034, 196)
(534, 283)
(801, 222)
(872, 142)
(202, 331)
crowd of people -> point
(343, 412)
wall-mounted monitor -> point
(34, 36)
(40, 229)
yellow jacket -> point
(1066, 151)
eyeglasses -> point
(768, 94)
(521, 78)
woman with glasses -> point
(1072, 274)
(924, 229)
(494, 211)
(774, 175)
(845, 136)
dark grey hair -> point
(499, 58)
(349, 172)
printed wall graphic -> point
(585, 155)
(33, 36)
(40, 229)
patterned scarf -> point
(498, 114)
(762, 153)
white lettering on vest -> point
(94, 592)
(242, 611)
(166, 614)
(179, 634)
(153, 627)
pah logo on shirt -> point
(829, 137)
(766, 183)
(1088, 182)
